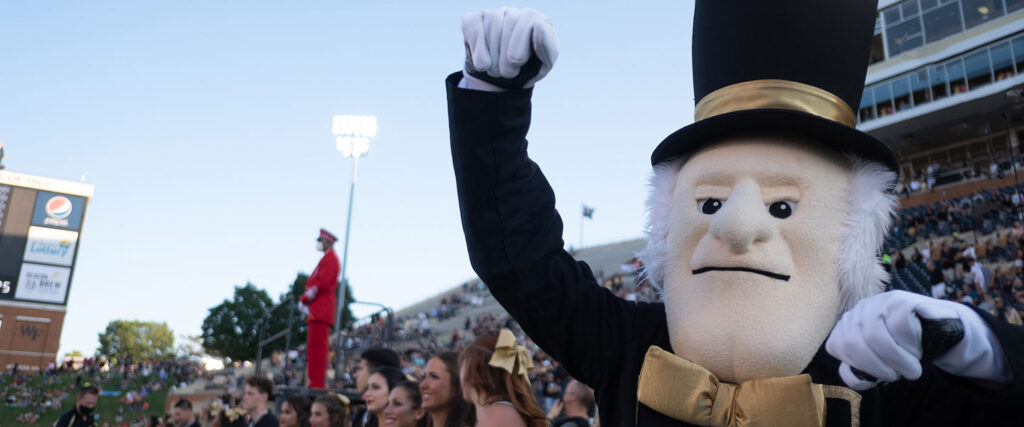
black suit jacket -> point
(267, 420)
(514, 237)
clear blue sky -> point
(205, 128)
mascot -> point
(766, 216)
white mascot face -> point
(751, 279)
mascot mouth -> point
(778, 276)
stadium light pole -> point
(353, 135)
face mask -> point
(319, 246)
(85, 411)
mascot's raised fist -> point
(882, 340)
(509, 48)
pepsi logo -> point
(58, 207)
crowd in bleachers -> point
(937, 174)
(416, 327)
(968, 249)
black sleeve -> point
(939, 398)
(64, 420)
(514, 237)
(1011, 339)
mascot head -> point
(767, 213)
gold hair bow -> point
(506, 352)
(234, 413)
(341, 398)
(231, 414)
(215, 408)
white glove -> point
(310, 293)
(304, 309)
(881, 336)
(500, 42)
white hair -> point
(871, 209)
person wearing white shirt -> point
(969, 253)
(977, 276)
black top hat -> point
(794, 65)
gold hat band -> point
(775, 94)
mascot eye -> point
(709, 206)
(782, 209)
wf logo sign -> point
(30, 331)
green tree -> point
(299, 321)
(136, 339)
(231, 329)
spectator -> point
(442, 393)
(977, 276)
(295, 412)
(969, 295)
(405, 406)
(970, 253)
(938, 281)
(81, 414)
(182, 416)
(329, 410)
(380, 383)
(499, 393)
(1006, 313)
(550, 388)
(575, 405)
(1018, 300)
(370, 361)
(899, 261)
(254, 400)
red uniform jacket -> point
(325, 279)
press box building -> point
(945, 85)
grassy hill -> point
(113, 388)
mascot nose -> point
(743, 219)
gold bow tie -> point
(685, 391)
(506, 352)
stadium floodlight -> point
(348, 124)
(353, 133)
(353, 146)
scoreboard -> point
(40, 233)
(40, 228)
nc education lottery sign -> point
(40, 231)
(51, 246)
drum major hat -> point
(327, 236)
(795, 66)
